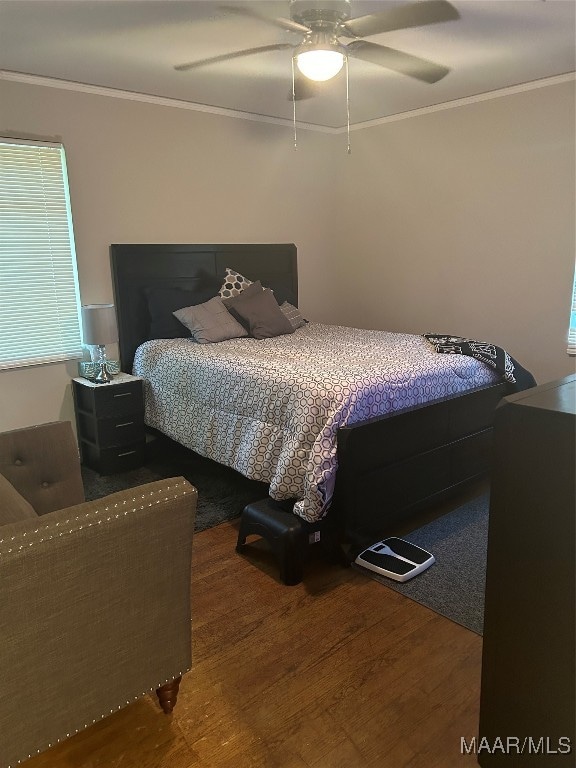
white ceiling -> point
(133, 45)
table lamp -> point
(99, 326)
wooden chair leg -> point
(167, 695)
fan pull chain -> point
(294, 105)
(348, 150)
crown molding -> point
(487, 96)
(68, 85)
(115, 93)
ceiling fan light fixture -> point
(320, 65)
(320, 57)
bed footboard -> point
(388, 467)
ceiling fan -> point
(320, 55)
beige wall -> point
(459, 221)
(142, 173)
(463, 221)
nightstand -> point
(110, 423)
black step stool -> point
(286, 533)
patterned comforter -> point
(271, 408)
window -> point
(39, 309)
(572, 329)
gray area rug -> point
(454, 585)
(222, 492)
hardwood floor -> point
(337, 672)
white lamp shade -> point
(320, 65)
(99, 324)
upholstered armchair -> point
(94, 596)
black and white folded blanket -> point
(497, 358)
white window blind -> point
(572, 329)
(39, 297)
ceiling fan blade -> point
(233, 55)
(292, 26)
(413, 66)
(404, 16)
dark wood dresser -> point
(528, 666)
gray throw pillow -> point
(164, 301)
(258, 310)
(13, 506)
(210, 322)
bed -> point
(366, 469)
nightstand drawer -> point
(109, 400)
(121, 430)
(107, 461)
(110, 422)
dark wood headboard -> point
(136, 267)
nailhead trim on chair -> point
(98, 522)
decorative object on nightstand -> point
(99, 328)
(110, 423)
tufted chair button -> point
(18, 462)
(45, 484)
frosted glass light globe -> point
(320, 65)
